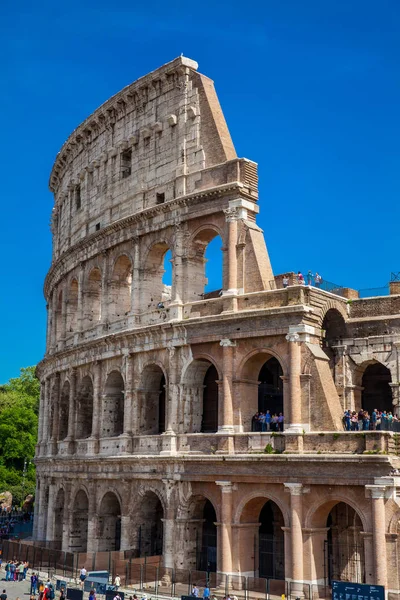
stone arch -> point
(59, 517)
(120, 288)
(84, 408)
(261, 374)
(92, 298)
(196, 271)
(80, 519)
(64, 411)
(375, 383)
(198, 533)
(112, 423)
(72, 304)
(152, 394)
(152, 289)
(335, 305)
(147, 531)
(318, 511)
(341, 545)
(109, 530)
(200, 397)
(394, 523)
(264, 519)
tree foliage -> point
(19, 407)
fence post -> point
(141, 577)
(267, 584)
(156, 581)
(110, 565)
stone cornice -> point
(132, 96)
(56, 270)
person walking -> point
(309, 278)
(285, 281)
(206, 592)
(300, 278)
(117, 582)
(34, 582)
(195, 591)
(317, 280)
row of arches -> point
(80, 306)
(341, 554)
(200, 391)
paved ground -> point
(15, 589)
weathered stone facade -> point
(148, 392)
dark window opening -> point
(97, 226)
(206, 546)
(270, 389)
(160, 198)
(126, 163)
(78, 199)
(209, 423)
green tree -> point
(19, 406)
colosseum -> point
(147, 434)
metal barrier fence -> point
(389, 425)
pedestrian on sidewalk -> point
(117, 582)
(34, 582)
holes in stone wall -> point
(120, 288)
(126, 163)
(113, 406)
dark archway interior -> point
(344, 550)
(64, 412)
(271, 542)
(207, 556)
(209, 423)
(109, 524)
(150, 530)
(84, 409)
(270, 389)
(377, 392)
(113, 405)
(334, 326)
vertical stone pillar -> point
(41, 411)
(129, 371)
(50, 513)
(171, 401)
(135, 293)
(178, 288)
(55, 425)
(225, 417)
(97, 395)
(38, 509)
(48, 328)
(225, 528)
(46, 411)
(80, 309)
(92, 531)
(135, 399)
(64, 313)
(53, 335)
(125, 532)
(71, 407)
(42, 510)
(296, 491)
(231, 215)
(377, 493)
(105, 288)
(294, 425)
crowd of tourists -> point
(363, 421)
(16, 571)
(312, 279)
(267, 421)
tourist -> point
(354, 421)
(309, 278)
(62, 593)
(300, 278)
(92, 594)
(117, 582)
(347, 419)
(7, 570)
(195, 591)
(317, 280)
(285, 281)
(267, 420)
(366, 421)
(26, 566)
(21, 569)
(82, 576)
(274, 422)
(280, 421)
(13, 570)
(3, 596)
(374, 417)
(34, 582)
(262, 421)
(206, 592)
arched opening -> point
(376, 393)
(92, 299)
(261, 391)
(79, 525)
(59, 517)
(113, 406)
(200, 397)
(84, 408)
(207, 555)
(120, 288)
(64, 411)
(72, 311)
(209, 422)
(109, 538)
(204, 266)
(344, 548)
(264, 535)
(333, 331)
(157, 277)
(148, 529)
(152, 406)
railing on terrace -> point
(329, 286)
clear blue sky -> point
(310, 90)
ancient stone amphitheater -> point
(147, 440)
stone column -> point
(38, 510)
(135, 295)
(171, 402)
(295, 416)
(105, 288)
(42, 510)
(46, 411)
(71, 408)
(53, 335)
(125, 532)
(81, 283)
(97, 395)
(225, 528)
(225, 416)
(48, 328)
(41, 411)
(50, 513)
(129, 370)
(55, 425)
(232, 215)
(379, 533)
(92, 521)
(296, 491)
